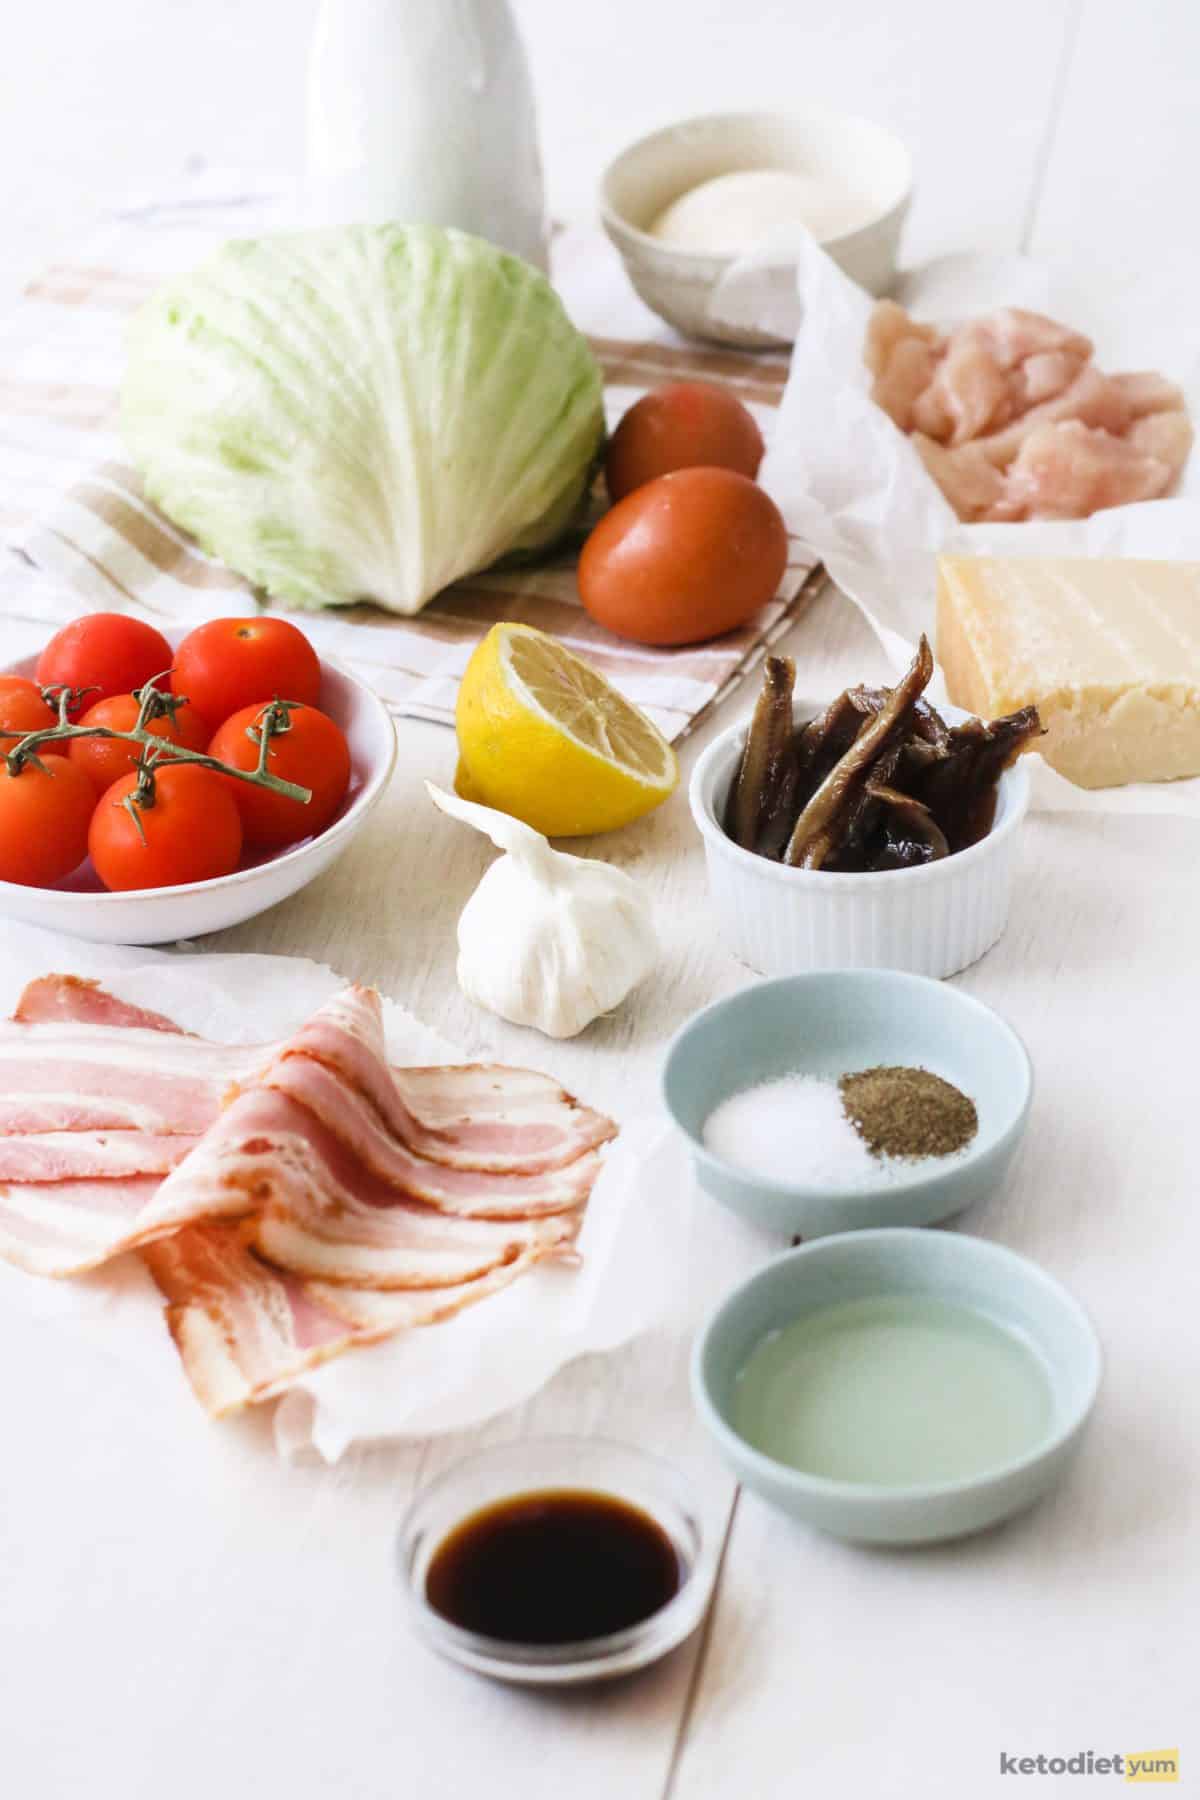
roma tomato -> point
(192, 831)
(23, 710)
(105, 760)
(312, 751)
(44, 817)
(108, 652)
(684, 558)
(685, 425)
(230, 663)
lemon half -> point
(544, 737)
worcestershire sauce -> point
(553, 1567)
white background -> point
(1069, 125)
(182, 1615)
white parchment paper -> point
(437, 1379)
(853, 487)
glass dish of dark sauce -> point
(554, 1560)
(553, 1567)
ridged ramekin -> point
(932, 920)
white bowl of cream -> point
(705, 214)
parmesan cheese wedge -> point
(1107, 649)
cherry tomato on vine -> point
(684, 425)
(108, 652)
(105, 760)
(23, 710)
(44, 817)
(191, 832)
(313, 752)
(230, 663)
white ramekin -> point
(931, 920)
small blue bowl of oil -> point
(898, 1386)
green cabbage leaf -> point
(366, 413)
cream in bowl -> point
(749, 209)
(868, 831)
(686, 204)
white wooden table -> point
(183, 1614)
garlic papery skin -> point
(548, 940)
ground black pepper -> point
(907, 1112)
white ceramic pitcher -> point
(423, 111)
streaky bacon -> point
(472, 1116)
(52, 1156)
(61, 1228)
(318, 1211)
(391, 1248)
(490, 1116)
(60, 1072)
(245, 1331)
(52, 997)
(102, 1099)
(81, 1096)
(353, 1122)
(383, 1314)
(69, 1227)
(313, 1199)
(427, 1108)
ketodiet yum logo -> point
(1126, 1765)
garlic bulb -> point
(548, 940)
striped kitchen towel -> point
(79, 534)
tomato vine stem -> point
(155, 703)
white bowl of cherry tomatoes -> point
(157, 811)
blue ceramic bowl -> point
(825, 1024)
(945, 1266)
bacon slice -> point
(61, 1228)
(65, 1228)
(73, 1071)
(72, 997)
(92, 1116)
(488, 1116)
(53, 1156)
(488, 1119)
(349, 1120)
(316, 1209)
(394, 1248)
(69, 1075)
(244, 1331)
(78, 1095)
(292, 1201)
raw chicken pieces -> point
(1013, 420)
